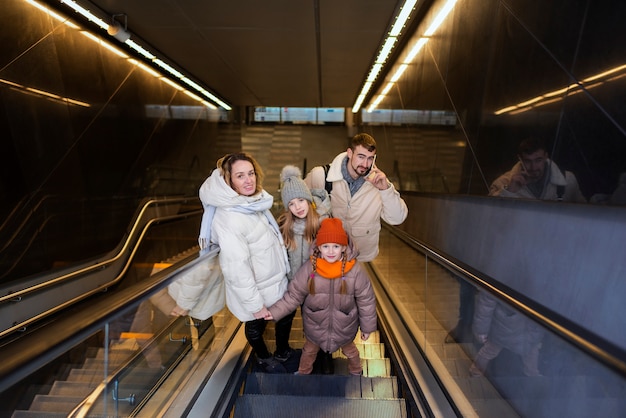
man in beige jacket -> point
(361, 194)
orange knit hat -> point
(331, 231)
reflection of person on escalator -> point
(533, 176)
(497, 326)
(536, 176)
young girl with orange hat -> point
(336, 298)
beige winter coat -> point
(568, 181)
(361, 213)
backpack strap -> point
(327, 184)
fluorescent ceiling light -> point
(440, 18)
(407, 8)
(385, 50)
(86, 13)
(417, 47)
(141, 50)
(374, 72)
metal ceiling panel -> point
(313, 53)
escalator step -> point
(38, 414)
(55, 403)
(64, 388)
(371, 367)
(277, 406)
(322, 385)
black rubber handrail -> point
(592, 344)
(138, 225)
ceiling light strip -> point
(390, 41)
(415, 49)
(141, 50)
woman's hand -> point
(263, 314)
(178, 311)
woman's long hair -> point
(286, 221)
(225, 164)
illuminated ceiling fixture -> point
(122, 35)
(414, 50)
(385, 50)
(588, 83)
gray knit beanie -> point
(293, 185)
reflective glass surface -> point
(131, 366)
(86, 134)
(493, 360)
(511, 70)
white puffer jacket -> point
(200, 289)
(252, 257)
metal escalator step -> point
(377, 367)
(38, 414)
(371, 367)
(366, 351)
(86, 376)
(93, 377)
(65, 388)
(55, 403)
(277, 406)
(322, 385)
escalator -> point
(187, 368)
(135, 361)
(375, 394)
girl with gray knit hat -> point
(298, 224)
(304, 210)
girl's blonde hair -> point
(286, 221)
(225, 164)
(314, 257)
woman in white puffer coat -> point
(252, 255)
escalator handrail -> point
(138, 225)
(591, 343)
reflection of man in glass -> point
(496, 326)
(535, 176)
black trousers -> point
(254, 334)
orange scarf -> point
(332, 270)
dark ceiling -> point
(309, 53)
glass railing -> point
(121, 353)
(494, 355)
